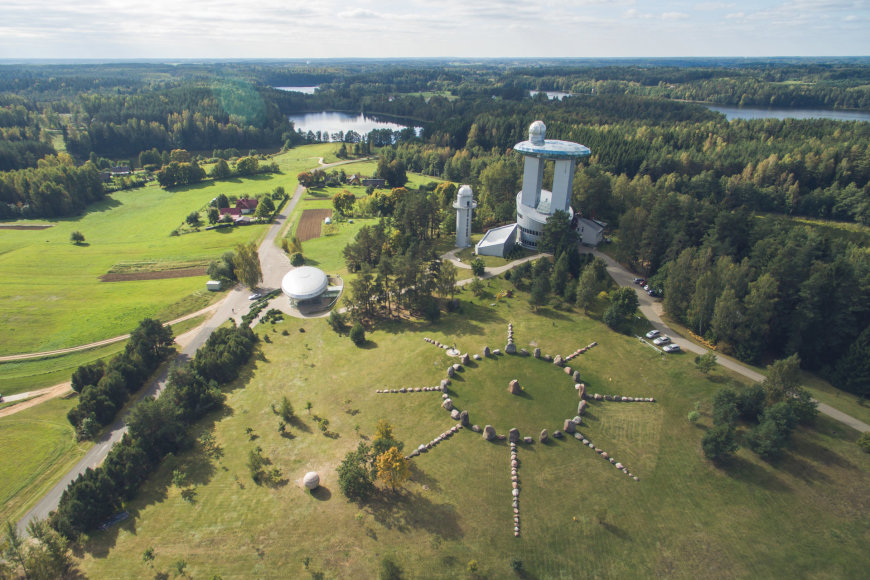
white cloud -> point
(674, 16)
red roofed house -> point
(243, 207)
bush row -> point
(104, 389)
(156, 427)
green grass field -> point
(37, 446)
(52, 296)
(804, 516)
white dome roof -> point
(304, 283)
(537, 132)
(464, 191)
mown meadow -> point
(804, 515)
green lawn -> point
(804, 516)
(38, 446)
(51, 296)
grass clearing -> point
(31, 374)
(51, 295)
(37, 446)
(802, 516)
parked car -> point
(671, 348)
(640, 281)
(653, 292)
(662, 340)
(255, 296)
(652, 333)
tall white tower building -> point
(535, 205)
(463, 205)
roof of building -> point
(539, 146)
(595, 225)
(496, 236)
(553, 149)
(247, 204)
(304, 283)
(544, 209)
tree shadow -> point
(743, 470)
(423, 478)
(404, 511)
(369, 345)
(548, 312)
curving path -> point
(652, 309)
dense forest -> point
(717, 214)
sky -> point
(135, 29)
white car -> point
(255, 296)
(672, 348)
(662, 340)
(652, 333)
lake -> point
(335, 122)
(303, 90)
(749, 113)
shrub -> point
(864, 442)
(719, 442)
(358, 334)
(77, 237)
(297, 259)
(477, 267)
(694, 416)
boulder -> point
(501, 437)
(578, 436)
(476, 356)
(544, 436)
(445, 396)
(524, 352)
(619, 466)
(598, 397)
(537, 353)
(447, 404)
(463, 418)
(514, 387)
(457, 367)
(450, 372)
(510, 348)
(454, 414)
(465, 359)
(557, 434)
(581, 390)
(514, 435)
(577, 420)
(576, 376)
(569, 426)
(557, 360)
(311, 480)
(548, 358)
(568, 370)
(486, 351)
(475, 428)
(527, 440)
(496, 352)
(581, 407)
(489, 432)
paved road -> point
(652, 309)
(274, 264)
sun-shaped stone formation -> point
(569, 426)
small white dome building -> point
(304, 284)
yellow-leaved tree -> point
(393, 468)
